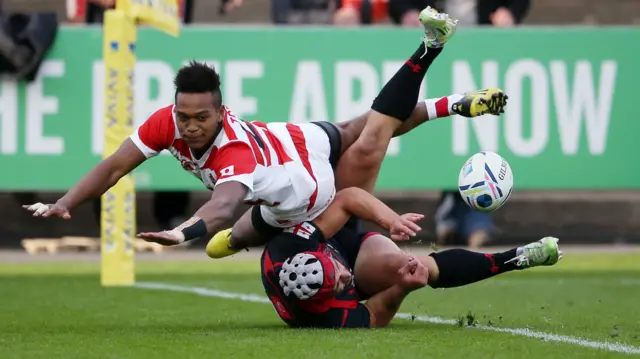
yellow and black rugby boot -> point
(481, 102)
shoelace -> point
(520, 260)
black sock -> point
(460, 267)
(399, 96)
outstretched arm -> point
(219, 209)
(234, 166)
(207, 220)
(357, 202)
(155, 135)
(95, 183)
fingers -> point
(399, 237)
(407, 268)
(411, 226)
(404, 230)
(47, 210)
(56, 212)
(410, 267)
(147, 235)
(33, 207)
(38, 208)
(407, 224)
(421, 269)
(422, 273)
(413, 217)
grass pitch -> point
(59, 310)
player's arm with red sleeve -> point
(234, 165)
(152, 137)
(156, 133)
(235, 162)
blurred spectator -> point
(359, 12)
(95, 10)
(405, 12)
(228, 5)
(301, 11)
(459, 224)
(92, 11)
(501, 13)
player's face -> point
(197, 119)
(344, 278)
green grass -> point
(59, 310)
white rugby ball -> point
(485, 181)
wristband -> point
(193, 228)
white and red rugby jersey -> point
(274, 161)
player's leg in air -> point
(364, 140)
(379, 260)
(394, 110)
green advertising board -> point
(570, 121)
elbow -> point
(112, 173)
(225, 213)
(382, 323)
(224, 210)
(345, 198)
(380, 318)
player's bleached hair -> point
(199, 77)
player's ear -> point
(220, 113)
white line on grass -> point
(612, 347)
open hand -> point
(404, 227)
(166, 238)
(413, 275)
(48, 210)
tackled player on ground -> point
(317, 274)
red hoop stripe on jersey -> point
(256, 149)
(322, 305)
(344, 318)
(267, 152)
(269, 268)
(275, 143)
(228, 130)
(159, 131)
(301, 146)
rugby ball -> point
(485, 181)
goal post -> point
(118, 212)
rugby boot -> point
(220, 245)
(438, 27)
(544, 252)
(481, 102)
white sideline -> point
(612, 347)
